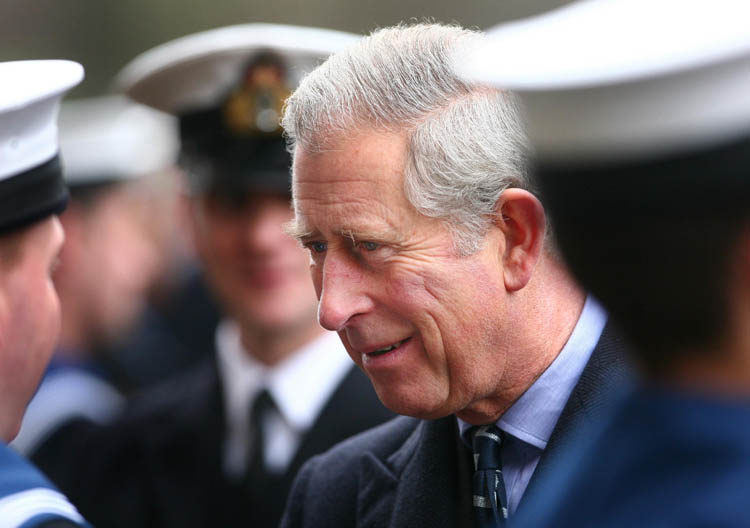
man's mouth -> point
(385, 350)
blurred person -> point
(643, 155)
(431, 259)
(176, 329)
(220, 444)
(32, 192)
(109, 260)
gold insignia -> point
(254, 108)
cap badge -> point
(255, 107)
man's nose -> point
(342, 294)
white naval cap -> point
(196, 71)
(109, 139)
(625, 79)
(31, 184)
(227, 86)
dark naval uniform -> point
(28, 499)
(160, 464)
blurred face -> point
(258, 271)
(29, 316)
(423, 323)
(117, 261)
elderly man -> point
(651, 198)
(431, 259)
(221, 444)
(32, 193)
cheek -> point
(448, 303)
(316, 274)
(356, 358)
(418, 292)
(53, 312)
(38, 323)
(417, 297)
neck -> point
(271, 347)
(553, 307)
(544, 314)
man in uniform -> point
(111, 257)
(32, 193)
(220, 445)
(643, 156)
(431, 259)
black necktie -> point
(490, 506)
(262, 405)
(261, 501)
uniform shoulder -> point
(184, 390)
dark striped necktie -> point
(490, 503)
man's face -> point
(258, 272)
(29, 316)
(109, 239)
(387, 276)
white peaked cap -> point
(110, 138)
(624, 79)
(30, 93)
(196, 71)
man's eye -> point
(369, 246)
(317, 247)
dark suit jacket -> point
(161, 464)
(409, 472)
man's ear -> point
(522, 220)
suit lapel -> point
(353, 407)
(424, 483)
(606, 376)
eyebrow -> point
(297, 231)
(300, 232)
(384, 236)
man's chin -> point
(408, 403)
(8, 431)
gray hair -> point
(466, 143)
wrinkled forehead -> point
(365, 162)
(359, 180)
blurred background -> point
(104, 35)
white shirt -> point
(300, 386)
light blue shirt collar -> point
(533, 416)
(529, 422)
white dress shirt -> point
(300, 386)
(529, 422)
